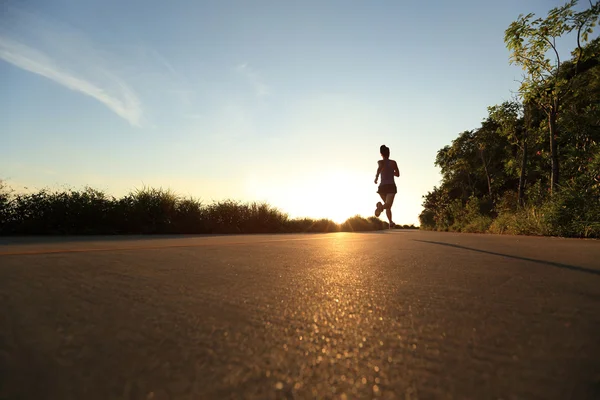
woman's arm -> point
(379, 168)
(396, 169)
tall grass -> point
(151, 211)
(572, 212)
(529, 220)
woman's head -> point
(385, 151)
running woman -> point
(387, 189)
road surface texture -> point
(394, 315)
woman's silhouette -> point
(387, 188)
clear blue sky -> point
(251, 100)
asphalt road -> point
(399, 315)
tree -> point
(482, 168)
(508, 117)
(530, 42)
(581, 119)
(490, 148)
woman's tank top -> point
(387, 173)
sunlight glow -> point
(336, 195)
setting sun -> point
(336, 195)
(343, 196)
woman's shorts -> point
(388, 188)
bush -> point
(307, 225)
(575, 212)
(145, 211)
(479, 224)
(189, 217)
(151, 211)
(502, 223)
(529, 220)
(508, 202)
(474, 216)
(5, 205)
(358, 223)
(427, 219)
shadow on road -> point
(553, 264)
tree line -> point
(533, 166)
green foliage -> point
(308, 225)
(5, 203)
(56, 212)
(427, 219)
(508, 202)
(411, 226)
(146, 210)
(479, 224)
(503, 176)
(151, 211)
(525, 221)
(575, 212)
(532, 45)
(546, 83)
(508, 119)
(531, 40)
(358, 223)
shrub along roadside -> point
(570, 213)
(151, 211)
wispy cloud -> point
(164, 62)
(73, 63)
(260, 87)
(124, 102)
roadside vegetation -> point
(151, 211)
(533, 165)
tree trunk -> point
(526, 127)
(523, 169)
(489, 181)
(553, 149)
